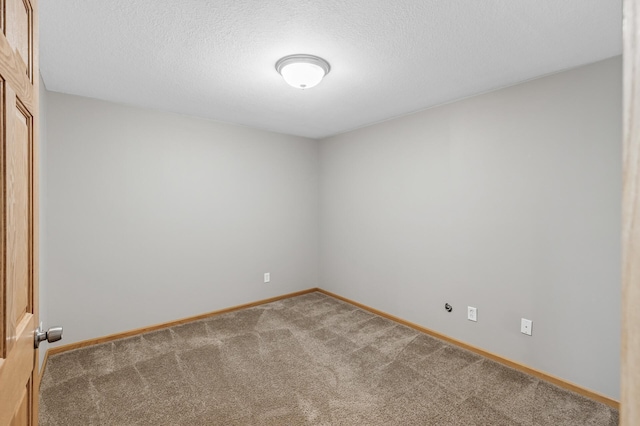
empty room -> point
(411, 212)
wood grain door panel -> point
(19, 33)
(18, 265)
(16, 375)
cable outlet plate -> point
(472, 313)
(526, 326)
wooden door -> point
(19, 81)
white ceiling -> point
(216, 58)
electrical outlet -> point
(472, 313)
(526, 326)
(267, 277)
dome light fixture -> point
(302, 71)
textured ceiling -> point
(215, 58)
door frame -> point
(630, 353)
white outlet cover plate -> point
(472, 313)
(267, 277)
(526, 326)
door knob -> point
(52, 335)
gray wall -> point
(42, 261)
(153, 217)
(509, 202)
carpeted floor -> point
(308, 360)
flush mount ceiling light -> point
(302, 71)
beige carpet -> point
(308, 360)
